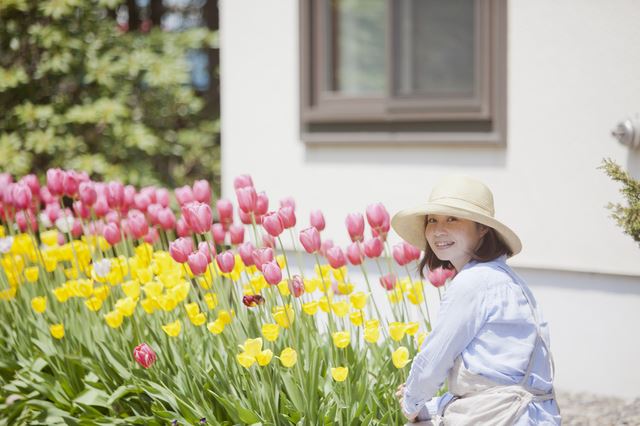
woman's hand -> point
(400, 397)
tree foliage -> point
(77, 92)
(627, 217)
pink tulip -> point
(111, 233)
(101, 207)
(208, 249)
(144, 355)
(81, 210)
(182, 229)
(202, 191)
(296, 286)
(288, 216)
(242, 181)
(355, 253)
(129, 197)
(152, 236)
(152, 212)
(268, 241)
(137, 223)
(355, 226)
(218, 232)
(388, 282)
(46, 196)
(76, 229)
(439, 276)
(245, 250)
(25, 219)
(198, 216)
(226, 261)
(54, 181)
(184, 195)
(288, 202)
(272, 272)
(150, 192)
(6, 179)
(21, 194)
(245, 218)
(262, 204)
(317, 220)
(7, 194)
(61, 239)
(33, 183)
(410, 252)
(336, 258)
(70, 183)
(399, 254)
(236, 233)
(112, 216)
(53, 212)
(197, 262)
(377, 215)
(261, 256)
(87, 193)
(325, 246)
(272, 223)
(247, 198)
(180, 249)
(141, 202)
(225, 212)
(115, 195)
(162, 197)
(373, 248)
(310, 239)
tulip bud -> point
(166, 218)
(197, 262)
(182, 229)
(262, 256)
(87, 193)
(184, 195)
(162, 197)
(218, 232)
(288, 216)
(262, 204)
(180, 249)
(252, 300)
(355, 253)
(410, 252)
(202, 191)
(54, 181)
(242, 181)
(355, 226)
(101, 207)
(317, 220)
(207, 249)
(236, 233)
(144, 355)
(198, 216)
(245, 218)
(247, 199)
(141, 202)
(288, 202)
(21, 195)
(310, 239)
(399, 254)
(272, 223)
(336, 258)
(33, 183)
(226, 261)
(137, 223)
(272, 272)
(70, 183)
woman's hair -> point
(492, 246)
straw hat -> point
(458, 196)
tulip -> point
(397, 330)
(378, 217)
(439, 276)
(162, 197)
(245, 250)
(317, 220)
(355, 226)
(355, 253)
(340, 374)
(272, 223)
(336, 258)
(268, 241)
(70, 183)
(400, 357)
(76, 229)
(262, 256)
(270, 331)
(202, 191)
(39, 304)
(296, 286)
(247, 198)
(111, 233)
(101, 206)
(242, 181)
(180, 249)
(410, 252)
(288, 202)
(272, 272)
(252, 300)
(166, 218)
(172, 329)
(399, 254)
(141, 202)
(57, 330)
(137, 223)
(371, 333)
(341, 339)
(226, 261)
(288, 357)
(264, 357)
(310, 239)
(184, 195)
(115, 195)
(373, 248)
(182, 228)
(388, 281)
(288, 216)
(236, 233)
(262, 204)
(32, 182)
(81, 209)
(197, 262)
(129, 195)
(218, 232)
(25, 219)
(45, 196)
(152, 236)
(21, 194)
(144, 355)
(207, 249)
(225, 212)
(358, 300)
(324, 246)
(54, 181)
(198, 216)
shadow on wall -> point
(633, 163)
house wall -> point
(572, 75)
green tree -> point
(78, 92)
(627, 217)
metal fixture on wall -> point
(628, 132)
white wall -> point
(573, 74)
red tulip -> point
(410, 252)
(226, 261)
(261, 256)
(317, 220)
(355, 226)
(218, 232)
(252, 300)
(87, 193)
(207, 249)
(296, 286)
(202, 191)
(242, 181)
(247, 199)
(182, 228)
(272, 223)
(198, 216)
(144, 355)
(310, 239)
(288, 216)
(336, 258)
(373, 247)
(115, 195)
(184, 195)
(21, 194)
(388, 282)
(236, 232)
(272, 272)
(180, 249)
(137, 223)
(245, 250)
(197, 262)
(166, 218)
(355, 253)
(54, 181)
(162, 197)
(70, 183)
(439, 276)
(262, 204)
(225, 212)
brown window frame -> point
(328, 117)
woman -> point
(490, 340)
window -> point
(409, 71)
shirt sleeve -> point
(462, 314)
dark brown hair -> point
(492, 246)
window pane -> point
(434, 42)
(356, 46)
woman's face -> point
(453, 239)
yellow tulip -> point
(311, 285)
(420, 338)
(283, 287)
(93, 304)
(144, 252)
(284, 316)
(323, 303)
(323, 272)
(150, 304)
(39, 304)
(288, 357)
(310, 308)
(113, 319)
(395, 295)
(264, 357)
(341, 339)
(71, 273)
(226, 316)
(339, 274)
(270, 331)
(173, 328)
(61, 293)
(167, 302)
(2, 234)
(31, 274)
(153, 288)
(216, 327)
(83, 288)
(126, 306)
(372, 323)
(252, 347)
(245, 359)
(358, 300)
(415, 296)
(211, 300)
(50, 262)
(345, 288)
(400, 357)
(412, 328)
(371, 334)
(356, 318)
(397, 330)
(57, 330)
(181, 290)
(192, 309)
(101, 292)
(340, 307)
(198, 319)
(280, 259)
(339, 374)
(49, 238)
(258, 283)
(131, 288)
(8, 294)
(144, 275)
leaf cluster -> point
(627, 216)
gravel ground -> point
(588, 409)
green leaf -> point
(247, 415)
(93, 397)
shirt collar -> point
(472, 262)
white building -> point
(373, 101)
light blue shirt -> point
(485, 318)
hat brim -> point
(410, 224)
